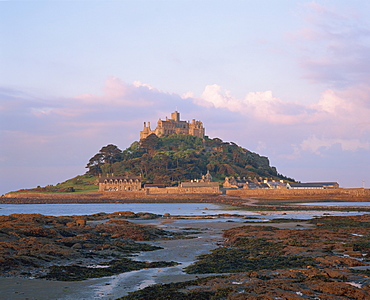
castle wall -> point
(174, 126)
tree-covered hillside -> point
(176, 158)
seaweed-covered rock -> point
(32, 243)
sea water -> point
(174, 209)
(342, 204)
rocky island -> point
(204, 257)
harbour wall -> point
(104, 197)
(355, 194)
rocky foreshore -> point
(75, 247)
(330, 260)
(322, 258)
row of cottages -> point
(252, 184)
(119, 184)
(238, 183)
(312, 185)
(184, 188)
(196, 186)
(125, 183)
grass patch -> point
(79, 184)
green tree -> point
(150, 143)
(94, 164)
(107, 156)
(176, 158)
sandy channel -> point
(183, 251)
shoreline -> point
(263, 198)
(184, 251)
(113, 287)
(238, 202)
(232, 196)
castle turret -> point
(146, 131)
(175, 116)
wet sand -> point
(183, 251)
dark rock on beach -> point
(31, 244)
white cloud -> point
(341, 114)
(187, 95)
(259, 105)
(214, 96)
(138, 83)
(345, 113)
(116, 92)
(266, 107)
(317, 145)
(285, 131)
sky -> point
(286, 79)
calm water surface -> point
(116, 286)
(338, 204)
(174, 209)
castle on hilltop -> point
(174, 126)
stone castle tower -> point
(174, 125)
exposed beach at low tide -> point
(183, 251)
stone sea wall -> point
(102, 197)
(360, 194)
(231, 197)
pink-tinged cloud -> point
(259, 105)
(334, 46)
(338, 117)
(347, 111)
(118, 93)
(266, 107)
(317, 145)
(214, 96)
(69, 131)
